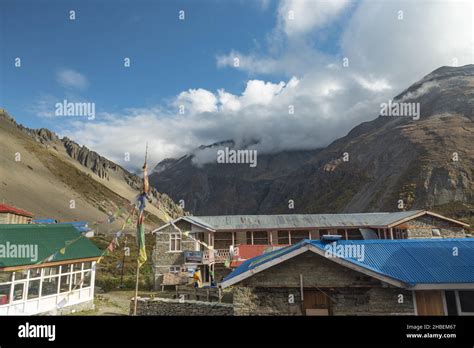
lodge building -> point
(45, 269)
(236, 238)
(393, 277)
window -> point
(35, 272)
(353, 234)
(77, 267)
(175, 242)
(260, 237)
(33, 289)
(466, 301)
(5, 294)
(175, 269)
(87, 280)
(51, 271)
(5, 277)
(222, 240)
(50, 286)
(65, 281)
(87, 265)
(65, 269)
(298, 236)
(76, 280)
(18, 291)
(21, 275)
(283, 237)
(436, 232)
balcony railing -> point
(220, 255)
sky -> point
(287, 74)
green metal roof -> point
(47, 240)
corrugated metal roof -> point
(248, 222)
(49, 239)
(5, 208)
(411, 261)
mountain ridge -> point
(390, 159)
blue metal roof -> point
(411, 261)
(81, 226)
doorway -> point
(316, 302)
(429, 302)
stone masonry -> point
(172, 307)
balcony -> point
(220, 255)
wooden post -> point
(302, 294)
(136, 290)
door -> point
(315, 302)
(429, 302)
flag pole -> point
(136, 291)
(140, 227)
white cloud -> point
(375, 85)
(385, 54)
(296, 17)
(197, 100)
(71, 79)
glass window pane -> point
(18, 291)
(50, 286)
(33, 289)
(467, 301)
(77, 267)
(77, 280)
(298, 236)
(5, 277)
(51, 271)
(283, 237)
(87, 265)
(66, 268)
(5, 294)
(21, 275)
(87, 280)
(35, 272)
(260, 237)
(65, 281)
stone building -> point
(389, 277)
(177, 251)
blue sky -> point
(290, 53)
(167, 55)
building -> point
(12, 215)
(358, 277)
(45, 269)
(175, 252)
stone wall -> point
(316, 270)
(172, 307)
(345, 301)
(422, 226)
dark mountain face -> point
(425, 161)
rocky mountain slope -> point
(427, 163)
(42, 173)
